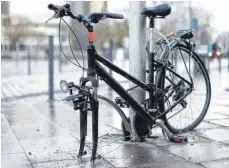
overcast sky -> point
(37, 10)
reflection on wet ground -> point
(41, 133)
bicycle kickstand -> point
(171, 137)
(83, 130)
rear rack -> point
(184, 34)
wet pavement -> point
(17, 84)
(37, 133)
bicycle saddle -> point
(160, 10)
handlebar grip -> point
(114, 15)
(55, 7)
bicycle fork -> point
(94, 107)
(95, 118)
(83, 130)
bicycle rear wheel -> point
(192, 109)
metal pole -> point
(190, 14)
(60, 60)
(17, 53)
(228, 52)
(50, 67)
(110, 52)
(29, 60)
(137, 64)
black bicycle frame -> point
(94, 67)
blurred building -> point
(5, 7)
(5, 23)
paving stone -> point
(25, 120)
(219, 108)
(200, 152)
(10, 145)
(16, 160)
(83, 163)
(45, 130)
(223, 122)
(217, 134)
(214, 116)
(145, 155)
(9, 142)
(51, 149)
(227, 142)
(205, 125)
(192, 139)
(217, 163)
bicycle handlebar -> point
(92, 17)
(114, 16)
(55, 7)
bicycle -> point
(152, 111)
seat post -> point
(151, 64)
(151, 27)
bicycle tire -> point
(160, 76)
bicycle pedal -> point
(121, 102)
(178, 139)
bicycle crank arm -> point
(170, 136)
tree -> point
(20, 27)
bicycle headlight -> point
(64, 86)
(210, 54)
(218, 53)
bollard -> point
(110, 53)
(17, 54)
(219, 59)
(50, 67)
(60, 61)
(29, 61)
(228, 58)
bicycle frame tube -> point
(151, 66)
(116, 69)
(104, 75)
(95, 67)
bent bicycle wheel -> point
(190, 110)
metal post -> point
(17, 53)
(137, 53)
(50, 67)
(190, 13)
(228, 52)
(110, 52)
(36, 53)
(60, 60)
(29, 60)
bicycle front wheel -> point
(189, 112)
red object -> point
(177, 140)
(214, 54)
(91, 36)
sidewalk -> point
(37, 133)
(36, 84)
